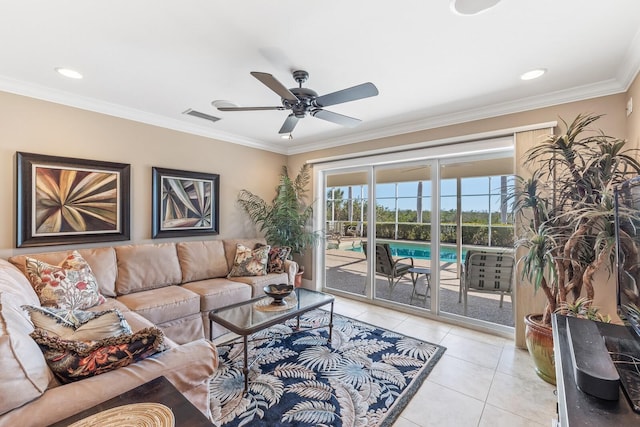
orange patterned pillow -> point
(74, 360)
(71, 285)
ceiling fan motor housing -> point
(305, 99)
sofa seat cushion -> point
(144, 267)
(163, 304)
(24, 374)
(136, 322)
(185, 329)
(110, 304)
(216, 293)
(257, 283)
(202, 260)
(102, 262)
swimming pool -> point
(419, 251)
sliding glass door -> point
(398, 228)
(474, 218)
(402, 239)
(345, 228)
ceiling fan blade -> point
(365, 90)
(250, 108)
(289, 124)
(336, 118)
(273, 84)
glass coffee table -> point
(256, 314)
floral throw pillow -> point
(78, 325)
(74, 360)
(70, 285)
(250, 262)
(277, 256)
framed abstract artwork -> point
(62, 201)
(184, 203)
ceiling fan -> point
(302, 101)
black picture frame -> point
(184, 203)
(64, 200)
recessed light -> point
(68, 72)
(533, 74)
(471, 7)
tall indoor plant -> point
(566, 220)
(286, 220)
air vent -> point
(200, 115)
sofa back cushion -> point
(13, 281)
(101, 260)
(231, 245)
(144, 267)
(202, 260)
(24, 374)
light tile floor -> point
(482, 380)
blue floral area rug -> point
(364, 377)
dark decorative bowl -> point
(278, 292)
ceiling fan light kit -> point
(472, 7)
(302, 101)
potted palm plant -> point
(286, 220)
(566, 223)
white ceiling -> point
(150, 60)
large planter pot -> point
(539, 338)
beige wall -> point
(40, 127)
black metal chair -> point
(386, 265)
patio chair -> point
(487, 272)
(352, 231)
(386, 265)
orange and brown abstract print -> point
(70, 200)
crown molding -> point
(90, 104)
(631, 63)
(603, 88)
(579, 93)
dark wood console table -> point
(159, 390)
(576, 408)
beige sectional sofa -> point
(170, 285)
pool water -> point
(447, 254)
